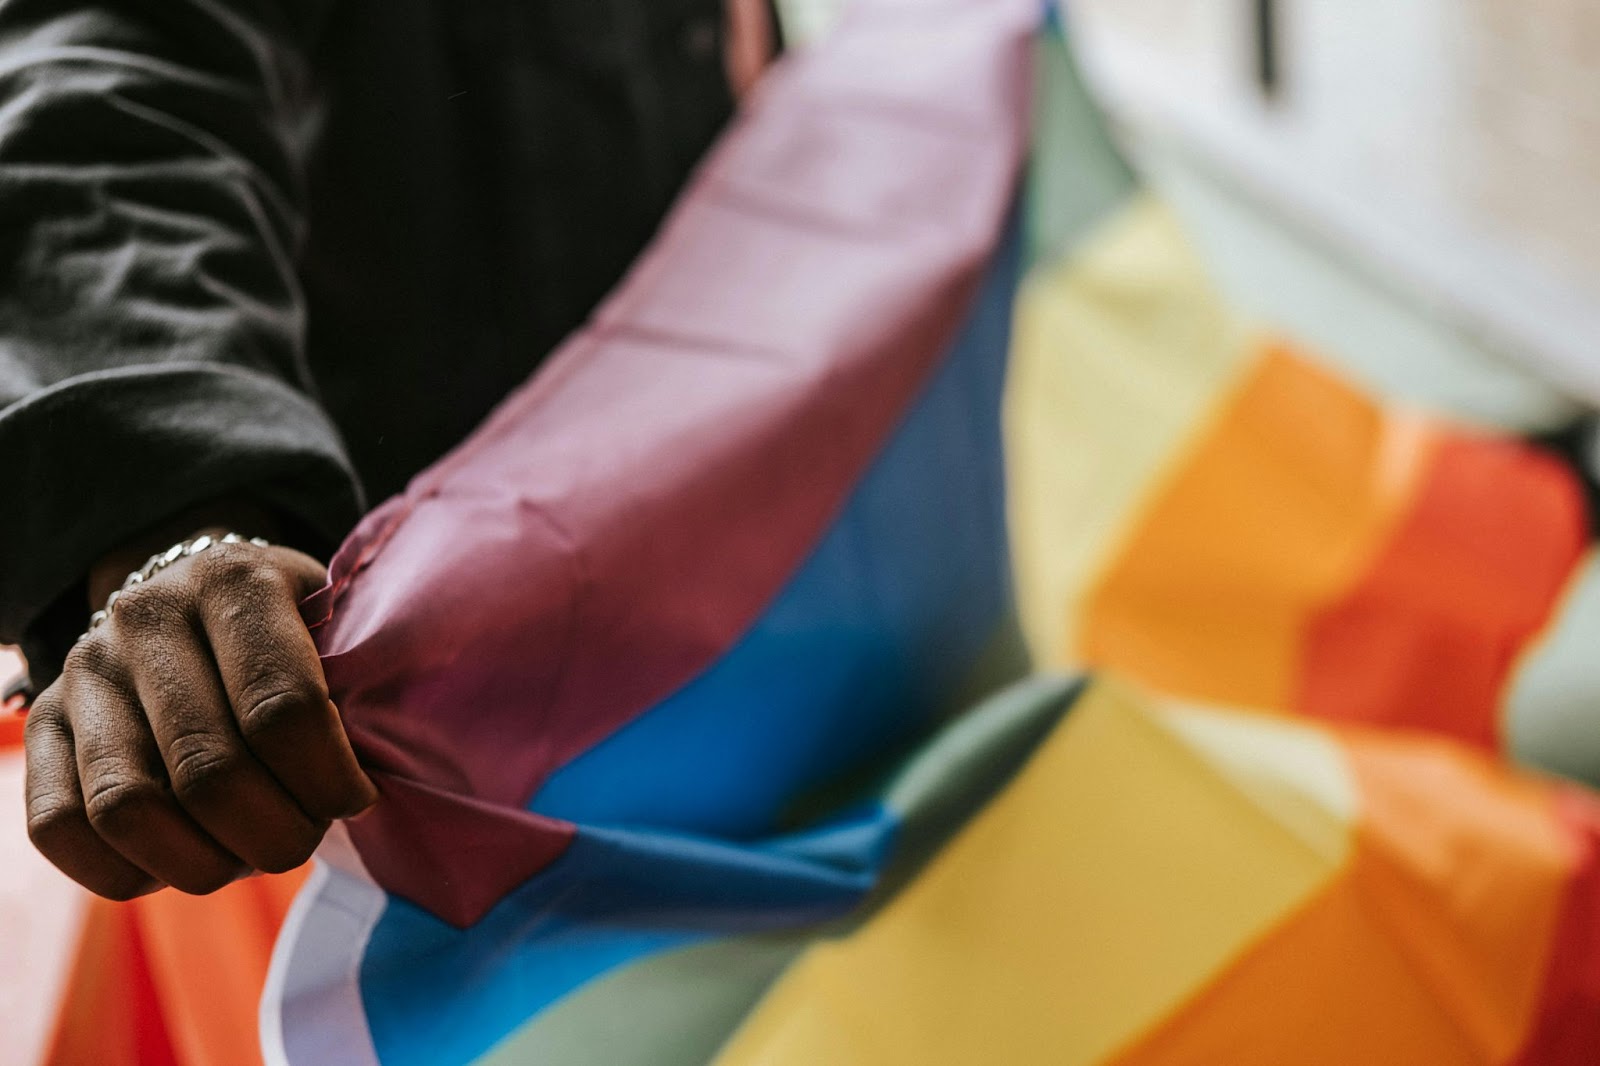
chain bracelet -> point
(159, 562)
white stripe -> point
(311, 1010)
(1552, 721)
(41, 922)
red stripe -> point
(476, 850)
(1428, 639)
(11, 726)
(111, 1012)
(1567, 1025)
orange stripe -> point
(1322, 990)
(1274, 514)
(111, 1014)
(1466, 863)
(1429, 638)
(209, 958)
(1568, 1026)
(171, 978)
(1430, 949)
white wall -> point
(1454, 143)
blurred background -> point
(1448, 151)
(1453, 145)
(1482, 114)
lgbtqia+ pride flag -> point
(661, 674)
(697, 682)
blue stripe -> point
(884, 618)
(436, 995)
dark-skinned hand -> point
(190, 739)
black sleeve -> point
(151, 323)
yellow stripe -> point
(1127, 864)
(1120, 353)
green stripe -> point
(1003, 661)
(966, 766)
(678, 1008)
(673, 1009)
(1078, 174)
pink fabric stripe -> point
(624, 517)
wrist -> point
(108, 572)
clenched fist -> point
(190, 738)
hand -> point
(190, 738)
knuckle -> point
(93, 655)
(238, 610)
(47, 718)
(116, 802)
(199, 764)
(278, 711)
(51, 818)
(234, 566)
(150, 605)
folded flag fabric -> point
(633, 668)
(1082, 874)
(665, 674)
(1168, 884)
(633, 665)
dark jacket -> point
(285, 248)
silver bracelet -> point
(159, 562)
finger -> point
(126, 795)
(305, 574)
(58, 825)
(214, 776)
(273, 678)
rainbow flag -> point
(698, 686)
(658, 674)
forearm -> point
(151, 327)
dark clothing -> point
(228, 227)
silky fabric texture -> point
(1204, 507)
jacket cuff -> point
(94, 460)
